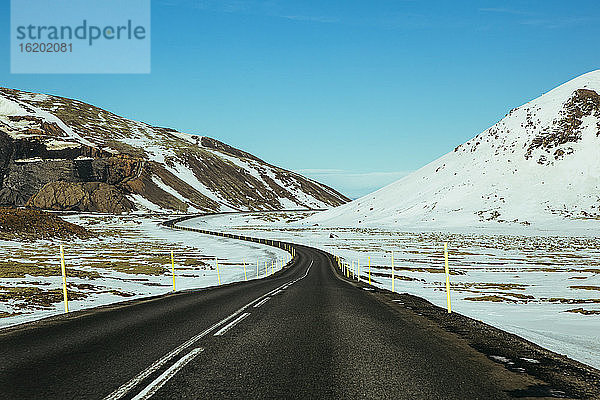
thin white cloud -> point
(558, 22)
(354, 184)
(504, 11)
(532, 19)
(320, 171)
(311, 18)
(342, 172)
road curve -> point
(305, 332)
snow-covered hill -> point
(63, 154)
(539, 164)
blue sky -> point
(353, 93)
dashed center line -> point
(262, 302)
(230, 325)
(124, 389)
(152, 388)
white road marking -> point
(262, 302)
(230, 325)
(152, 388)
(277, 292)
(126, 387)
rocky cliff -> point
(63, 154)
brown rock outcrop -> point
(20, 224)
(81, 196)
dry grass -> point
(35, 297)
(583, 311)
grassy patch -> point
(35, 297)
(128, 267)
(12, 269)
(4, 314)
(584, 311)
(193, 262)
(497, 286)
(573, 301)
(584, 287)
(493, 298)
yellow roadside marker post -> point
(392, 271)
(64, 277)
(358, 268)
(245, 276)
(272, 262)
(173, 268)
(257, 267)
(447, 277)
(218, 273)
(369, 259)
(266, 269)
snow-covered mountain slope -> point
(539, 164)
(58, 153)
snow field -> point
(131, 259)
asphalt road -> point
(305, 332)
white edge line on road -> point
(152, 388)
(126, 387)
(230, 325)
(263, 301)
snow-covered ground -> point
(130, 259)
(534, 284)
